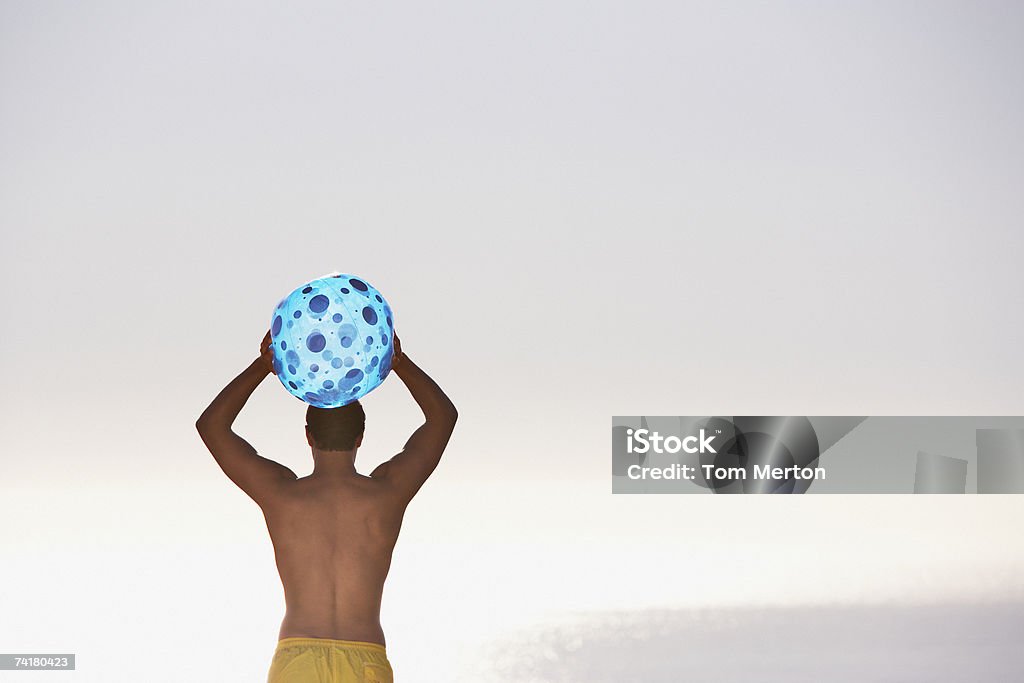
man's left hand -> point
(266, 355)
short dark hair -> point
(336, 429)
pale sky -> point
(576, 210)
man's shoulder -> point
(380, 472)
(309, 487)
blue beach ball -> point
(332, 340)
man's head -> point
(335, 429)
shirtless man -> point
(333, 531)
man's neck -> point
(334, 462)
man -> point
(333, 531)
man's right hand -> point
(396, 357)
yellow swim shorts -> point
(321, 660)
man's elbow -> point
(205, 423)
(444, 415)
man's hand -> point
(267, 356)
(397, 356)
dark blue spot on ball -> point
(297, 314)
(284, 345)
(369, 340)
(370, 315)
(379, 299)
(389, 321)
(346, 342)
(358, 284)
(310, 396)
(374, 361)
(355, 389)
(354, 374)
(277, 325)
(314, 367)
(345, 290)
(328, 384)
(292, 385)
(316, 342)
(307, 290)
(336, 317)
(384, 340)
(319, 303)
(291, 369)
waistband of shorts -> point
(329, 642)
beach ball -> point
(332, 340)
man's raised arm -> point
(253, 473)
(409, 469)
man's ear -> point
(309, 438)
(359, 441)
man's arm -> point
(409, 469)
(254, 474)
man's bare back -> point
(333, 531)
(333, 536)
